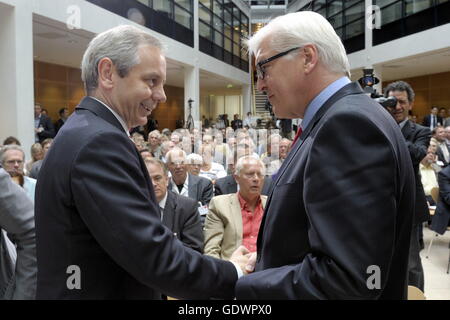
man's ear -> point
(311, 57)
(105, 73)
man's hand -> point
(250, 267)
(241, 258)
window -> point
(335, 7)
(183, 17)
(204, 30)
(391, 13)
(186, 4)
(163, 6)
(413, 6)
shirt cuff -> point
(238, 269)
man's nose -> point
(261, 85)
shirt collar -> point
(162, 203)
(119, 118)
(244, 204)
(321, 98)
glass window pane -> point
(322, 12)
(349, 3)
(227, 17)
(218, 38)
(336, 21)
(355, 12)
(227, 31)
(244, 55)
(384, 3)
(237, 12)
(162, 6)
(391, 13)
(217, 23)
(204, 31)
(236, 34)
(206, 3)
(412, 7)
(187, 4)
(217, 8)
(236, 49)
(355, 28)
(182, 17)
(339, 32)
(319, 3)
(144, 2)
(204, 14)
(335, 7)
(227, 44)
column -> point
(247, 99)
(16, 76)
(192, 91)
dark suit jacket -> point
(342, 202)
(96, 209)
(441, 217)
(236, 124)
(58, 125)
(200, 189)
(228, 184)
(440, 155)
(181, 217)
(49, 130)
(417, 140)
(427, 121)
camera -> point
(367, 81)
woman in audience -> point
(36, 154)
(211, 170)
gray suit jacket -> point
(17, 218)
(35, 169)
(181, 217)
(200, 189)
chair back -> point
(415, 293)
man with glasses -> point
(12, 158)
(338, 218)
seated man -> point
(234, 219)
(198, 188)
(12, 158)
(178, 213)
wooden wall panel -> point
(430, 90)
(58, 86)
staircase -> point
(260, 106)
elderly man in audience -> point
(46, 144)
(273, 149)
(210, 169)
(285, 145)
(198, 188)
(178, 213)
(154, 143)
(194, 162)
(166, 146)
(234, 219)
(12, 158)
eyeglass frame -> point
(260, 72)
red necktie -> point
(299, 132)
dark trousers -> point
(415, 269)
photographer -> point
(417, 140)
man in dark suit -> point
(179, 213)
(417, 140)
(338, 219)
(228, 184)
(236, 123)
(63, 115)
(433, 119)
(98, 225)
(43, 126)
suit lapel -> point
(193, 186)
(408, 129)
(236, 217)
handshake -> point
(245, 259)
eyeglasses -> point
(261, 71)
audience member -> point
(11, 140)
(63, 115)
(234, 219)
(428, 175)
(154, 143)
(236, 123)
(442, 150)
(12, 158)
(178, 213)
(43, 126)
(441, 218)
(274, 166)
(18, 266)
(210, 170)
(36, 167)
(194, 162)
(433, 119)
(37, 153)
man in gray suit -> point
(178, 213)
(17, 278)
